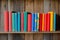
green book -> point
(25, 21)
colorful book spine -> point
(51, 20)
(22, 22)
(10, 21)
(6, 21)
(48, 21)
(16, 22)
(37, 21)
(40, 22)
(19, 22)
(29, 22)
(13, 21)
(33, 22)
(43, 22)
(25, 21)
(45, 26)
(54, 21)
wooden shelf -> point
(27, 32)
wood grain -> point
(28, 36)
(38, 36)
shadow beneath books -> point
(58, 23)
(18, 37)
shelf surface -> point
(27, 32)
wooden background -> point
(42, 6)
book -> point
(22, 22)
(6, 21)
(54, 21)
(19, 22)
(51, 20)
(13, 21)
(16, 22)
(35, 28)
(45, 19)
(25, 21)
(33, 22)
(10, 21)
(29, 22)
(48, 21)
(40, 22)
(43, 22)
(36, 21)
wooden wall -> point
(30, 6)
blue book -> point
(16, 22)
(25, 21)
(54, 21)
(19, 22)
(13, 22)
(36, 22)
(33, 22)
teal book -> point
(25, 21)
(54, 21)
(19, 22)
(16, 22)
(13, 21)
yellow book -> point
(43, 22)
(51, 20)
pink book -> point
(22, 22)
(10, 21)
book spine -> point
(16, 22)
(10, 21)
(29, 22)
(33, 22)
(40, 22)
(13, 22)
(6, 21)
(22, 22)
(25, 21)
(48, 22)
(51, 21)
(45, 26)
(54, 21)
(19, 22)
(37, 21)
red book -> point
(6, 21)
(29, 22)
(45, 27)
(40, 22)
(10, 21)
(22, 22)
(48, 22)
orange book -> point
(43, 22)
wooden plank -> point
(28, 36)
(38, 36)
(3, 37)
(18, 36)
(46, 6)
(29, 5)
